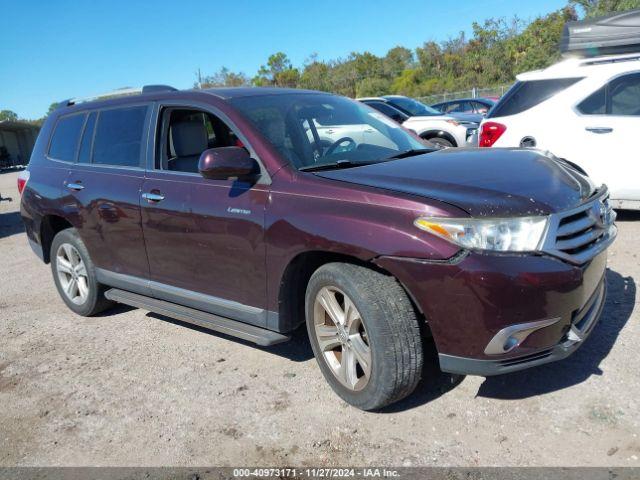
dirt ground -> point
(133, 388)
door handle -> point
(599, 129)
(77, 186)
(329, 131)
(153, 197)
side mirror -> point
(228, 162)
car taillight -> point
(23, 178)
(490, 132)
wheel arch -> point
(50, 225)
(294, 281)
(429, 134)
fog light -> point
(512, 336)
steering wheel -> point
(352, 144)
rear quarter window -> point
(64, 141)
(525, 95)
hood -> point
(460, 117)
(491, 182)
(467, 117)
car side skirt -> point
(199, 301)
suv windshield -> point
(312, 130)
(413, 107)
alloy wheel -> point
(72, 273)
(342, 338)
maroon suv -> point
(251, 210)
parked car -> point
(387, 109)
(583, 109)
(477, 106)
(217, 208)
(430, 124)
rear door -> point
(103, 189)
(606, 131)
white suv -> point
(584, 110)
(440, 129)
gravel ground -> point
(133, 388)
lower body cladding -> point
(495, 313)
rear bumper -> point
(469, 300)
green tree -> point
(493, 54)
(598, 8)
(52, 107)
(316, 75)
(372, 87)
(278, 72)
(397, 60)
(223, 78)
(8, 115)
(537, 46)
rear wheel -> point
(364, 333)
(74, 274)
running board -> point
(251, 333)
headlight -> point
(519, 234)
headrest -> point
(189, 138)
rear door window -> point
(118, 137)
(620, 97)
(64, 142)
(625, 95)
(525, 95)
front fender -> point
(360, 229)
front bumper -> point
(567, 345)
(468, 300)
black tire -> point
(392, 331)
(441, 142)
(95, 301)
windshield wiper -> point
(411, 153)
(333, 165)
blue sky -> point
(53, 50)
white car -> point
(584, 110)
(431, 124)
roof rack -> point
(611, 59)
(121, 92)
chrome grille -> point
(580, 234)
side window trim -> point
(93, 136)
(156, 124)
(53, 132)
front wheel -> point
(441, 142)
(74, 274)
(364, 333)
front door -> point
(204, 238)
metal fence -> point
(472, 93)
